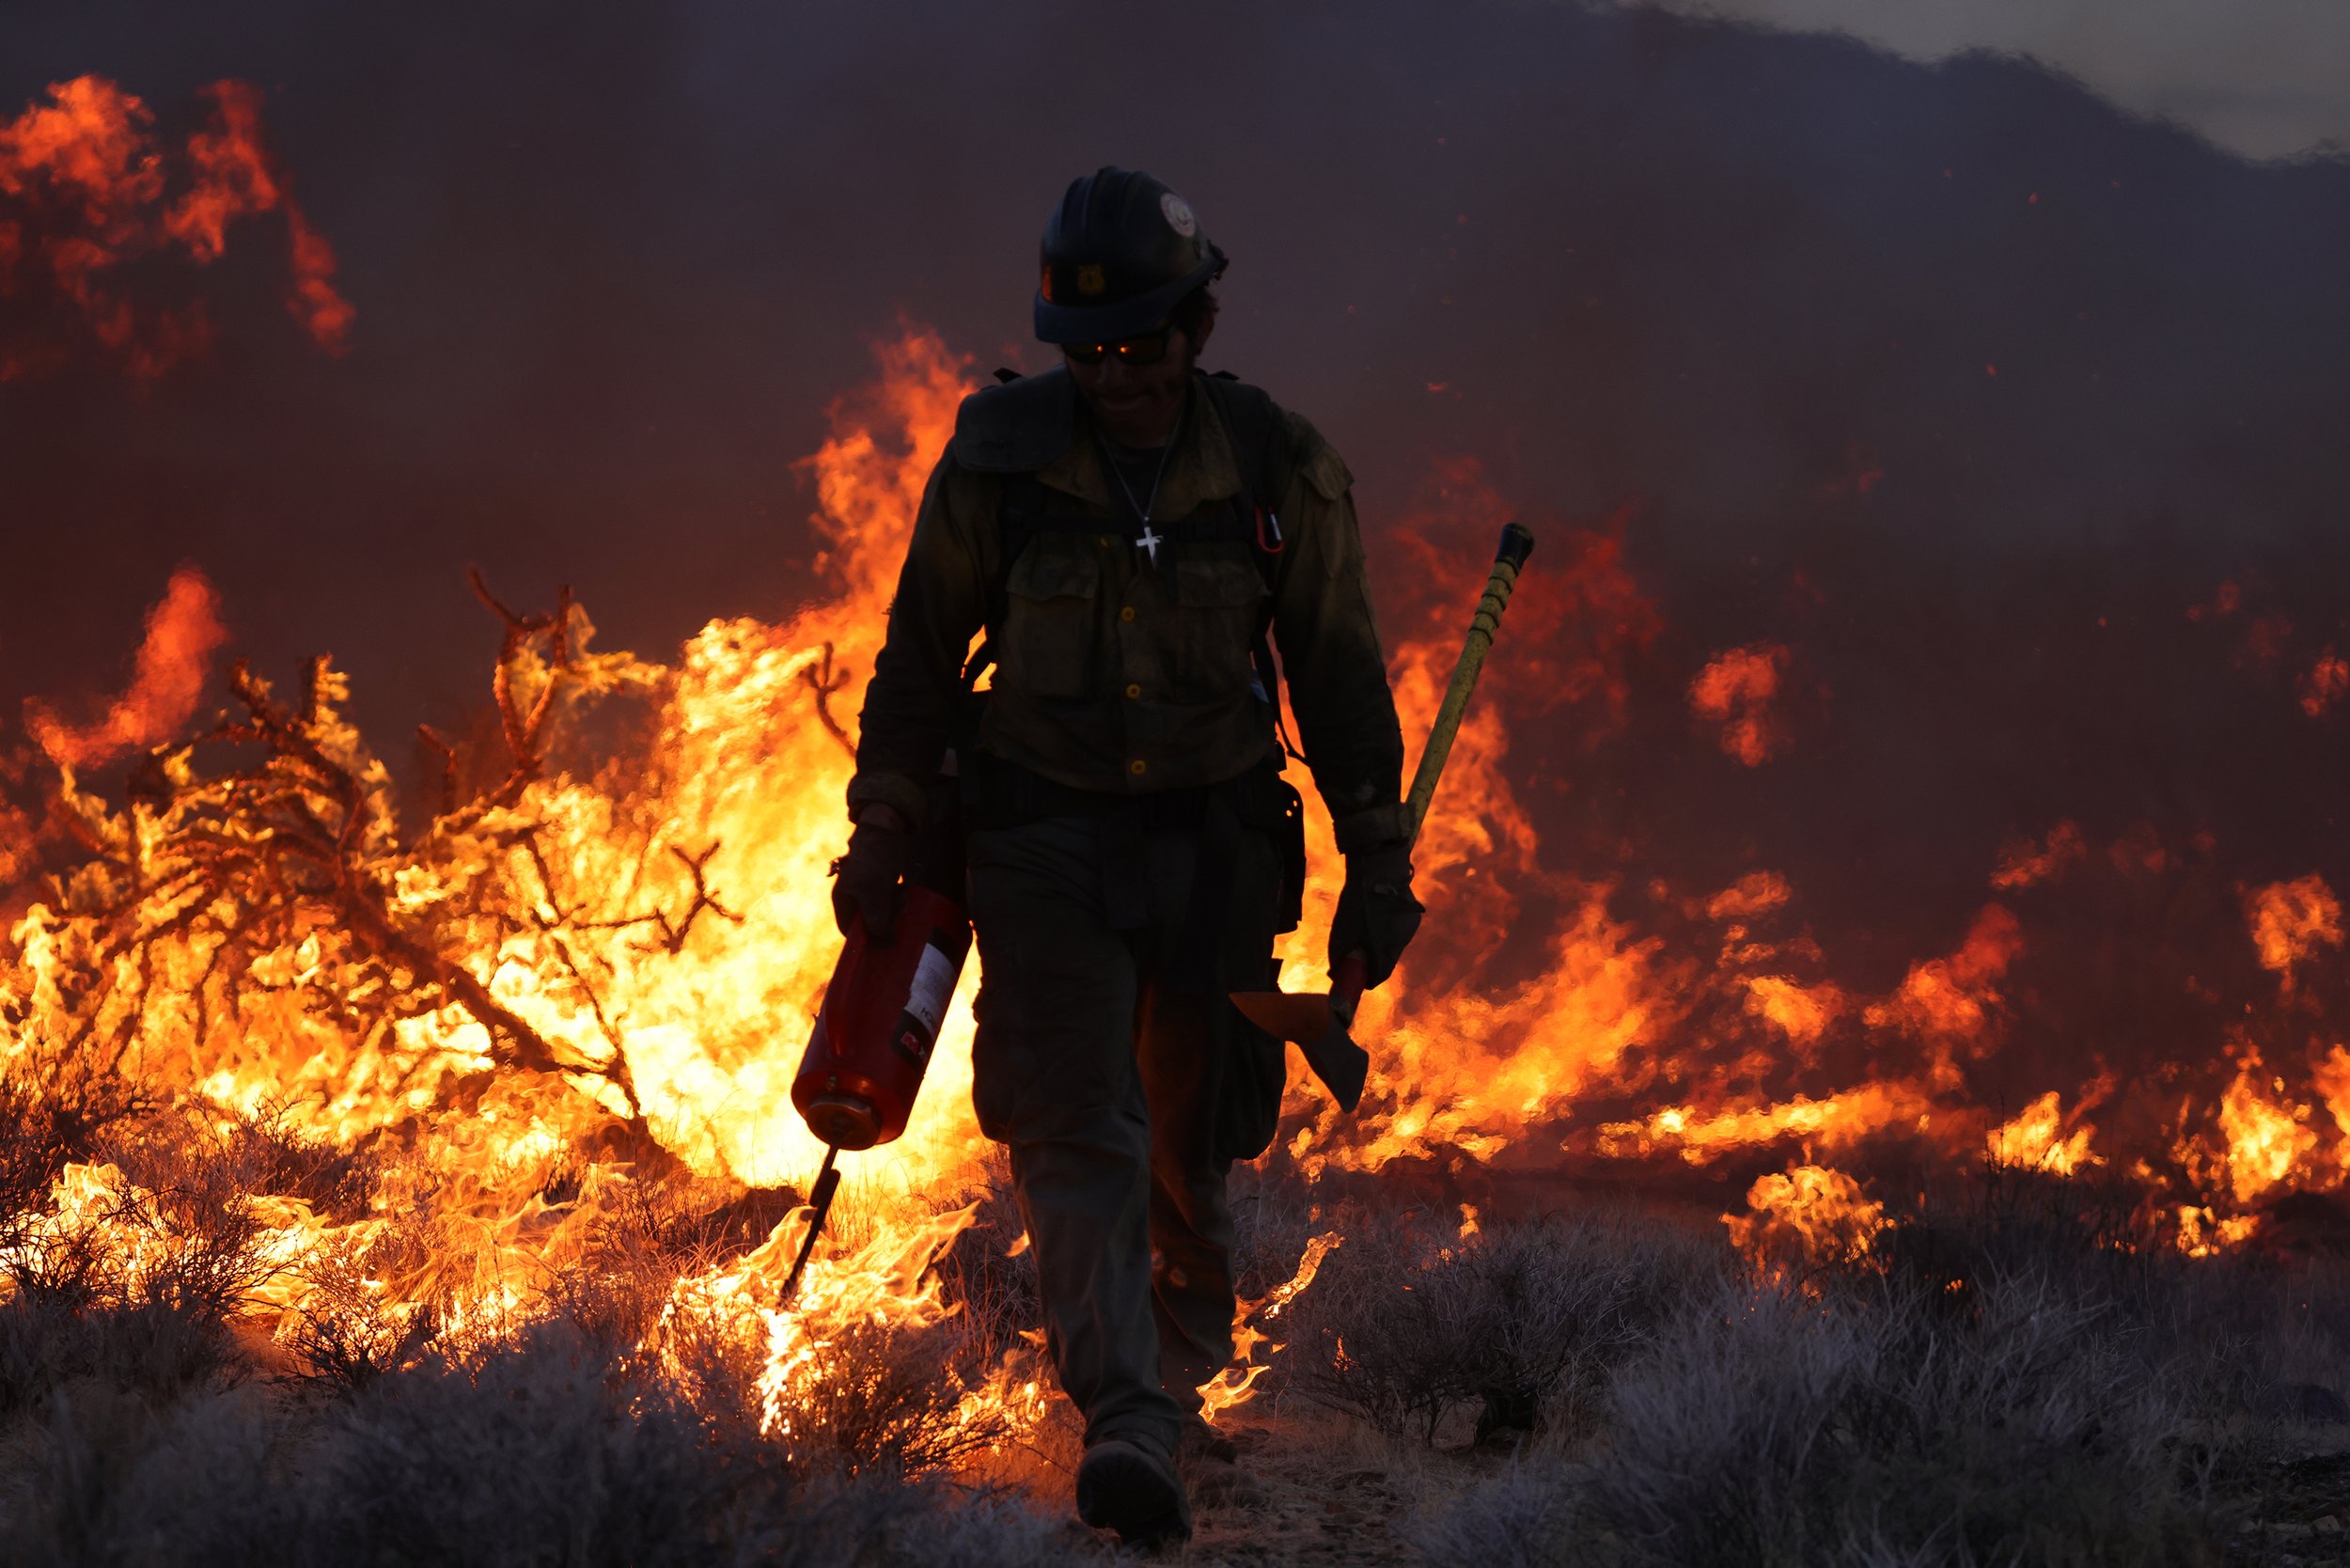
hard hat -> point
(1119, 252)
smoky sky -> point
(1800, 310)
(2267, 78)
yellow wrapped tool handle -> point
(1517, 544)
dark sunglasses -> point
(1146, 347)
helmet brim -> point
(1130, 318)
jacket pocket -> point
(1219, 601)
(1050, 601)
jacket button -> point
(1133, 692)
(1137, 767)
(1126, 613)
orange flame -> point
(85, 189)
(1536, 995)
(2291, 920)
(1736, 691)
(2265, 1137)
(1801, 1013)
(2025, 863)
(2036, 1140)
(1819, 1214)
(183, 630)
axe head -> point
(1308, 1018)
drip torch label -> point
(933, 986)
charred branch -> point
(431, 739)
(524, 726)
(824, 679)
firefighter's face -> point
(1135, 390)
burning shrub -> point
(53, 1110)
(1523, 1322)
(348, 1331)
(172, 1238)
(133, 1269)
(894, 1398)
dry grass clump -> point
(1773, 1428)
(2016, 1375)
(548, 1450)
(1523, 1325)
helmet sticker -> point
(1178, 216)
(1090, 279)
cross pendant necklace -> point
(1149, 544)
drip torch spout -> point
(820, 1199)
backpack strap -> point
(1018, 426)
(1265, 455)
(1261, 451)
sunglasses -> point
(1147, 348)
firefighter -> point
(1128, 535)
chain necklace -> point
(1150, 542)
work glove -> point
(1377, 913)
(866, 880)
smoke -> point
(183, 630)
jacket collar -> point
(1201, 468)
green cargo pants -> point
(1112, 1063)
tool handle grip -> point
(1517, 542)
(1346, 986)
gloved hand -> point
(1377, 913)
(866, 880)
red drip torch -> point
(881, 1011)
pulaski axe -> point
(1319, 1023)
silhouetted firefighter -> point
(1134, 537)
